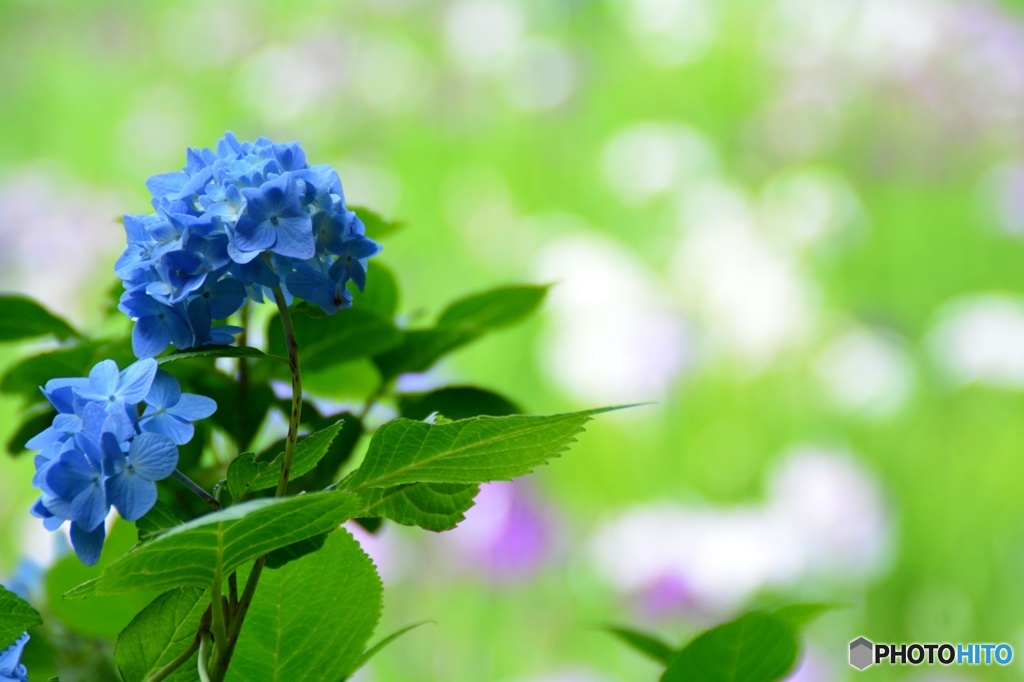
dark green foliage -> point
(16, 616)
(756, 647)
(159, 633)
(23, 318)
(327, 341)
(462, 322)
(456, 402)
(647, 644)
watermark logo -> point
(861, 653)
(865, 653)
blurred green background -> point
(795, 226)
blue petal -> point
(225, 297)
(295, 237)
(119, 425)
(103, 379)
(252, 234)
(136, 380)
(113, 456)
(194, 407)
(150, 337)
(224, 335)
(46, 438)
(153, 456)
(90, 507)
(94, 416)
(67, 477)
(132, 494)
(166, 184)
(163, 423)
(10, 658)
(200, 319)
(61, 393)
(165, 392)
(88, 544)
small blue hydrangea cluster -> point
(11, 668)
(237, 222)
(115, 434)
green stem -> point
(197, 489)
(243, 373)
(220, 631)
(223, 658)
(296, 413)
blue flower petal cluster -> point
(236, 222)
(11, 668)
(116, 433)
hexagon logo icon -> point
(861, 653)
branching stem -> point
(224, 654)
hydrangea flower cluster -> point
(11, 668)
(236, 222)
(115, 434)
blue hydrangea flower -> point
(170, 412)
(274, 220)
(131, 477)
(11, 668)
(115, 390)
(73, 485)
(234, 223)
(115, 435)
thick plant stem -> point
(220, 631)
(223, 658)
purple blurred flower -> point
(507, 534)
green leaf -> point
(467, 451)
(456, 402)
(799, 616)
(756, 647)
(221, 352)
(158, 519)
(308, 452)
(296, 550)
(461, 323)
(16, 616)
(649, 645)
(433, 506)
(311, 619)
(239, 412)
(326, 341)
(352, 381)
(381, 294)
(101, 617)
(159, 633)
(208, 548)
(242, 471)
(39, 417)
(327, 469)
(23, 318)
(494, 309)
(377, 226)
(27, 376)
(376, 648)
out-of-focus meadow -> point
(794, 226)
